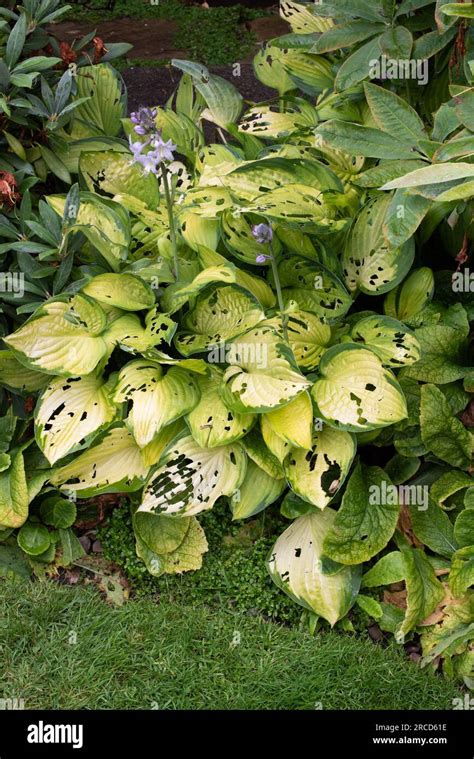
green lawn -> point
(168, 656)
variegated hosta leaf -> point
(303, 17)
(125, 291)
(275, 444)
(268, 121)
(216, 154)
(314, 288)
(293, 422)
(193, 478)
(208, 202)
(128, 332)
(262, 455)
(14, 375)
(318, 474)
(211, 422)
(257, 491)
(310, 73)
(262, 374)
(221, 312)
(259, 287)
(394, 344)
(269, 69)
(156, 400)
(223, 100)
(113, 172)
(295, 204)
(69, 413)
(295, 567)
(197, 230)
(355, 392)
(239, 240)
(50, 343)
(308, 336)
(369, 263)
(114, 465)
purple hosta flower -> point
(163, 151)
(263, 233)
(262, 258)
(144, 120)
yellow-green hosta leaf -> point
(125, 291)
(211, 422)
(16, 376)
(13, 494)
(224, 102)
(310, 73)
(69, 412)
(115, 173)
(153, 452)
(317, 474)
(308, 336)
(412, 295)
(257, 491)
(105, 107)
(86, 312)
(269, 69)
(51, 343)
(259, 288)
(394, 344)
(294, 203)
(197, 230)
(221, 312)
(128, 332)
(293, 422)
(193, 478)
(268, 121)
(314, 288)
(366, 519)
(295, 567)
(239, 240)
(263, 455)
(156, 400)
(113, 465)
(355, 392)
(275, 444)
(262, 373)
(303, 17)
(369, 263)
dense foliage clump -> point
(277, 321)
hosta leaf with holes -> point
(211, 422)
(51, 343)
(308, 336)
(157, 399)
(268, 121)
(262, 374)
(317, 474)
(14, 375)
(193, 478)
(355, 392)
(69, 413)
(113, 465)
(293, 422)
(239, 240)
(394, 344)
(128, 332)
(365, 521)
(125, 291)
(114, 173)
(295, 204)
(269, 69)
(303, 18)
(221, 312)
(257, 491)
(369, 263)
(224, 102)
(294, 565)
(313, 288)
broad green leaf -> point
(412, 296)
(424, 591)
(156, 400)
(369, 263)
(257, 491)
(104, 108)
(355, 392)
(270, 71)
(453, 634)
(224, 102)
(362, 141)
(464, 528)
(13, 561)
(266, 457)
(114, 173)
(346, 35)
(366, 519)
(389, 339)
(461, 576)
(449, 484)
(13, 493)
(393, 114)
(443, 433)
(317, 474)
(221, 312)
(113, 465)
(358, 65)
(433, 528)
(14, 375)
(386, 171)
(71, 548)
(438, 173)
(389, 569)
(53, 344)
(431, 43)
(193, 478)
(69, 413)
(211, 422)
(262, 373)
(58, 512)
(294, 565)
(125, 291)
(168, 545)
(33, 538)
(464, 10)
(404, 216)
(293, 422)
(396, 43)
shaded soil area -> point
(153, 86)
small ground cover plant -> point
(279, 320)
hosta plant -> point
(278, 319)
